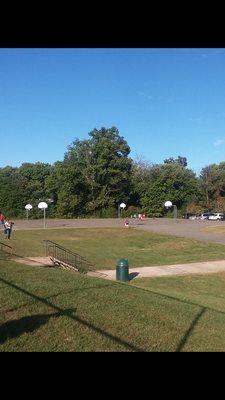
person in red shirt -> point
(2, 218)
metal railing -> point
(67, 258)
(5, 248)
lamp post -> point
(42, 205)
(175, 211)
(28, 207)
(122, 205)
(169, 204)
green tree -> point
(140, 180)
(104, 166)
(180, 160)
(212, 180)
(12, 191)
(67, 189)
(169, 182)
(35, 175)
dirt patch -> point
(38, 261)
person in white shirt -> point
(8, 228)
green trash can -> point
(122, 270)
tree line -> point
(97, 174)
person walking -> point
(8, 228)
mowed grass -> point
(207, 330)
(214, 229)
(104, 246)
(46, 309)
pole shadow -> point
(75, 318)
(15, 328)
(203, 310)
(184, 339)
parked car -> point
(206, 215)
(187, 215)
(195, 216)
(217, 216)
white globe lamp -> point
(28, 207)
(168, 204)
(42, 205)
(121, 205)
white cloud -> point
(219, 142)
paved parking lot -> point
(194, 229)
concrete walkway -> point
(207, 267)
(35, 261)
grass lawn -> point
(207, 330)
(104, 246)
(214, 229)
(46, 309)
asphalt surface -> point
(194, 229)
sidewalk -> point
(206, 267)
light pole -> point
(42, 205)
(28, 207)
(169, 204)
(122, 205)
(175, 211)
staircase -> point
(67, 259)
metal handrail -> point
(67, 258)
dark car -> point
(187, 215)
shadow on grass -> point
(87, 324)
(133, 275)
(33, 322)
(23, 305)
(190, 330)
(17, 327)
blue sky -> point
(165, 102)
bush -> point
(110, 212)
(155, 215)
(131, 210)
